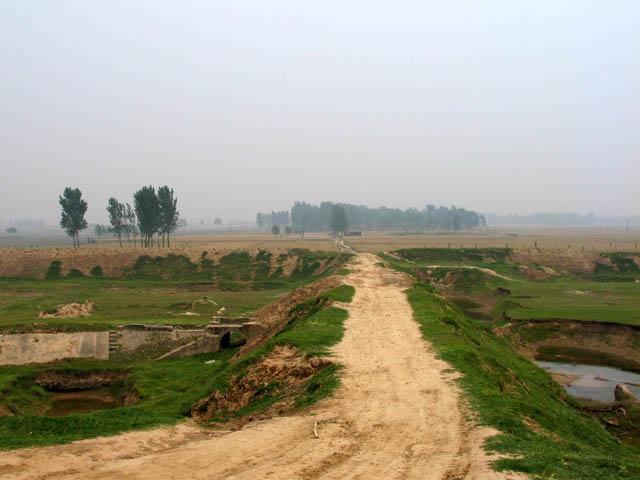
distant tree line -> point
(153, 213)
(280, 219)
(306, 217)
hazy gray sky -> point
(504, 106)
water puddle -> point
(83, 401)
(592, 382)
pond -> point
(592, 382)
(82, 401)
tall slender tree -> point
(338, 220)
(73, 210)
(169, 214)
(116, 211)
(147, 208)
(130, 223)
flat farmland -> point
(600, 239)
(119, 301)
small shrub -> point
(97, 271)
(54, 272)
(74, 273)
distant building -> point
(353, 234)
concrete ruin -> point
(23, 348)
(133, 340)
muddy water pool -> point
(593, 382)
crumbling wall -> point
(24, 348)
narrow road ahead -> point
(397, 415)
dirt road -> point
(396, 416)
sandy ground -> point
(397, 416)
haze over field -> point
(246, 105)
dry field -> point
(33, 262)
(571, 242)
(565, 238)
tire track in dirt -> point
(397, 415)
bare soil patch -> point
(282, 373)
(70, 381)
(541, 260)
(70, 310)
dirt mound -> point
(277, 315)
(282, 373)
(70, 381)
(70, 310)
(535, 272)
(573, 261)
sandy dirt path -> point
(397, 416)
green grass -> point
(167, 390)
(120, 301)
(561, 298)
(154, 287)
(319, 328)
(542, 431)
(616, 300)
(343, 293)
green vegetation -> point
(606, 295)
(160, 289)
(541, 429)
(338, 220)
(73, 211)
(54, 272)
(166, 390)
(546, 432)
(574, 299)
(309, 218)
(120, 301)
(318, 328)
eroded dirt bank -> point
(396, 416)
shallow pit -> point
(592, 382)
(83, 401)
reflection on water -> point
(594, 382)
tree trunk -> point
(168, 244)
(120, 238)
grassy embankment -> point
(608, 294)
(158, 290)
(167, 390)
(542, 429)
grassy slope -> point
(615, 300)
(167, 389)
(508, 392)
(314, 334)
(548, 437)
